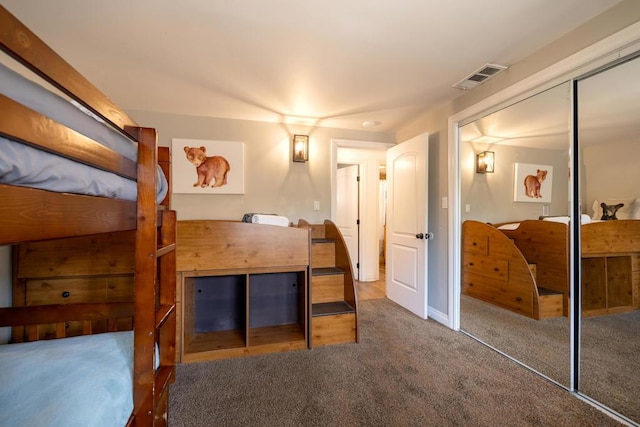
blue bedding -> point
(80, 381)
(27, 166)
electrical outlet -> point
(316, 205)
(467, 208)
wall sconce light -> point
(485, 162)
(300, 148)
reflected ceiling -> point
(542, 121)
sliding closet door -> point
(608, 141)
(525, 138)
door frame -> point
(363, 200)
(598, 54)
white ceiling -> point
(331, 63)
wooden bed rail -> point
(31, 318)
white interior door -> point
(406, 255)
(347, 212)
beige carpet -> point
(404, 372)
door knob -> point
(424, 236)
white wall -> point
(612, 171)
(490, 195)
(273, 183)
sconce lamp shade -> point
(485, 162)
(300, 148)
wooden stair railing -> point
(333, 302)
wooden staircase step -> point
(323, 253)
(551, 303)
(333, 329)
(544, 291)
(326, 271)
(327, 287)
(322, 240)
(334, 307)
(331, 308)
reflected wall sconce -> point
(300, 148)
(485, 162)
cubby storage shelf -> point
(244, 289)
(236, 314)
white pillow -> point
(562, 219)
(624, 212)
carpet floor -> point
(404, 372)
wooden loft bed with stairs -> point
(246, 289)
(524, 266)
(524, 270)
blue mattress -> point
(27, 166)
(80, 381)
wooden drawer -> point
(495, 269)
(520, 301)
(77, 290)
(333, 329)
(66, 291)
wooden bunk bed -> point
(139, 232)
(524, 266)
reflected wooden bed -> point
(524, 266)
(128, 246)
(523, 270)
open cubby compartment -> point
(277, 308)
(215, 315)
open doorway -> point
(370, 158)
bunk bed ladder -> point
(155, 294)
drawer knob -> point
(66, 294)
(519, 299)
(471, 264)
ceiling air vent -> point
(479, 76)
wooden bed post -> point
(145, 277)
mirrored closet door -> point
(515, 192)
(608, 138)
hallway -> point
(372, 290)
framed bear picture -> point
(207, 167)
(533, 183)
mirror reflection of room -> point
(609, 149)
(515, 192)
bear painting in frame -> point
(532, 183)
(207, 167)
